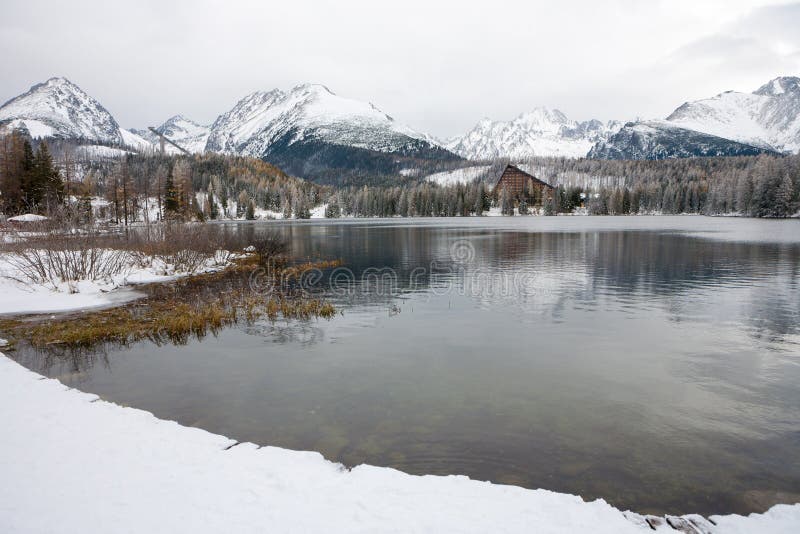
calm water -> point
(654, 362)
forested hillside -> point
(128, 188)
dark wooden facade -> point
(518, 182)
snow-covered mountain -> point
(182, 131)
(663, 140)
(768, 117)
(541, 132)
(59, 108)
(310, 131)
(731, 123)
(308, 112)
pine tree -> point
(12, 198)
(47, 186)
(242, 201)
(171, 203)
(213, 210)
(784, 197)
(506, 202)
(85, 211)
(332, 210)
(30, 195)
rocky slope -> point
(663, 140)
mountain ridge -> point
(539, 132)
(313, 132)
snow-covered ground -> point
(28, 217)
(318, 212)
(465, 175)
(70, 462)
(19, 297)
(96, 152)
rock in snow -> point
(663, 140)
(100, 467)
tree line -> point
(153, 187)
(756, 186)
(29, 181)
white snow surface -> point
(96, 152)
(100, 467)
(307, 111)
(20, 297)
(465, 175)
(318, 212)
(28, 217)
(136, 141)
(541, 132)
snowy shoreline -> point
(74, 463)
(25, 297)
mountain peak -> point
(59, 80)
(779, 86)
(181, 120)
(59, 108)
(177, 118)
(314, 88)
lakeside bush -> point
(55, 255)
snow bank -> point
(19, 297)
(318, 212)
(73, 463)
(465, 175)
(28, 217)
(95, 152)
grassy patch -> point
(173, 313)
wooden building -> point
(518, 182)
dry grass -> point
(174, 313)
(162, 322)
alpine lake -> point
(653, 362)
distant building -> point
(518, 182)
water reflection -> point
(652, 367)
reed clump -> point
(174, 313)
(164, 321)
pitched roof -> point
(532, 177)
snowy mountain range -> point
(768, 117)
(312, 132)
(541, 132)
(731, 123)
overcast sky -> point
(438, 66)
